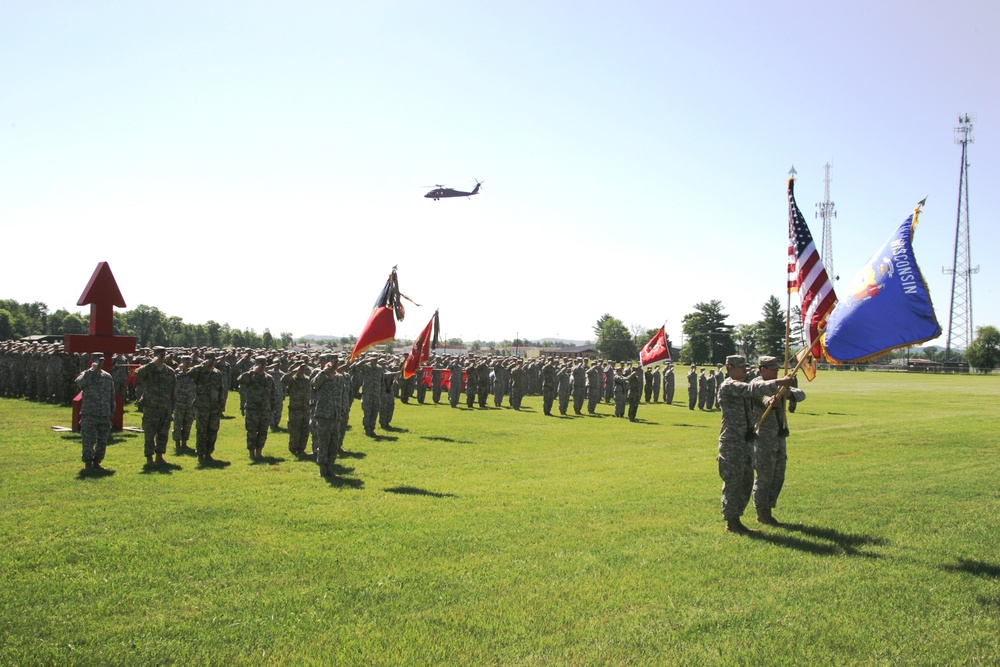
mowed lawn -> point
(492, 537)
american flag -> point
(807, 276)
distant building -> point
(577, 352)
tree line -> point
(148, 324)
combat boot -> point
(324, 470)
(149, 460)
(764, 516)
(88, 465)
(97, 467)
(160, 460)
(736, 526)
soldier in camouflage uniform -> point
(692, 379)
(157, 382)
(736, 435)
(564, 378)
(330, 412)
(595, 387)
(647, 383)
(387, 401)
(710, 390)
(97, 410)
(211, 388)
(620, 389)
(517, 381)
(548, 378)
(274, 370)
(579, 386)
(668, 383)
(436, 384)
(770, 449)
(656, 385)
(609, 382)
(371, 394)
(634, 392)
(482, 382)
(454, 382)
(185, 395)
(299, 390)
(257, 396)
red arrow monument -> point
(103, 295)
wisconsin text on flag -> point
(807, 276)
(887, 304)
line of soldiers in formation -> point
(189, 389)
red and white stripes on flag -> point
(807, 276)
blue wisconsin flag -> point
(887, 305)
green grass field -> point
(491, 537)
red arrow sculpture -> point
(102, 294)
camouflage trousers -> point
(619, 404)
(593, 398)
(454, 395)
(298, 430)
(327, 438)
(564, 396)
(769, 462)
(736, 471)
(206, 430)
(369, 411)
(257, 423)
(95, 432)
(156, 428)
(548, 396)
(279, 408)
(579, 395)
(692, 398)
(386, 408)
(183, 419)
(515, 398)
(633, 407)
(668, 393)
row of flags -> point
(887, 306)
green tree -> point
(286, 339)
(746, 339)
(266, 339)
(614, 340)
(983, 353)
(147, 324)
(6, 331)
(771, 329)
(212, 328)
(709, 337)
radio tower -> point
(960, 314)
(826, 213)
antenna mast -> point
(960, 313)
(825, 212)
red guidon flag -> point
(656, 349)
(381, 325)
(422, 346)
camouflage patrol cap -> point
(769, 363)
(186, 358)
(209, 355)
(97, 356)
(736, 360)
(326, 356)
(260, 360)
(159, 351)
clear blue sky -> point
(264, 164)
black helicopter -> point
(441, 192)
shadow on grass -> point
(94, 474)
(383, 438)
(974, 567)
(395, 429)
(350, 455)
(165, 468)
(836, 542)
(115, 438)
(691, 425)
(440, 438)
(268, 460)
(645, 422)
(214, 464)
(415, 491)
(338, 480)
